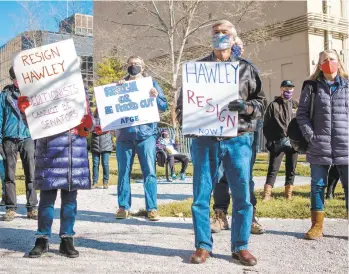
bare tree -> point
(179, 31)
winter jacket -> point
(142, 132)
(327, 134)
(13, 124)
(277, 117)
(61, 162)
(250, 90)
(101, 143)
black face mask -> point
(134, 70)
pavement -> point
(136, 245)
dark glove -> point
(282, 145)
(240, 106)
(2, 152)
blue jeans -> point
(235, 155)
(105, 165)
(319, 174)
(47, 212)
(2, 176)
(125, 153)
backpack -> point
(294, 132)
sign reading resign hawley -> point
(126, 105)
(51, 78)
(208, 87)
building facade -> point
(296, 32)
(80, 24)
(31, 39)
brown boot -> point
(245, 257)
(288, 192)
(317, 222)
(267, 192)
(219, 221)
(199, 256)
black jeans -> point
(26, 152)
(179, 157)
(275, 160)
(333, 178)
(221, 195)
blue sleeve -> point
(161, 99)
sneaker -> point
(93, 186)
(122, 214)
(219, 221)
(257, 228)
(153, 215)
(182, 177)
(10, 215)
(105, 186)
(173, 176)
(32, 214)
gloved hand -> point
(2, 152)
(239, 105)
(23, 103)
(98, 130)
(85, 126)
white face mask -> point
(220, 41)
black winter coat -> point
(101, 143)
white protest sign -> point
(208, 87)
(50, 76)
(126, 105)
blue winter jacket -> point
(11, 121)
(142, 132)
(61, 162)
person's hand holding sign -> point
(153, 92)
(241, 106)
(23, 103)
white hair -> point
(228, 24)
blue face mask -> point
(236, 50)
(220, 41)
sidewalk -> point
(135, 245)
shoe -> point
(245, 257)
(257, 228)
(9, 215)
(41, 247)
(173, 176)
(288, 192)
(66, 248)
(317, 223)
(105, 186)
(219, 221)
(93, 186)
(199, 256)
(329, 196)
(2, 203)
(267, 193)
(182, 176)
(122, 213)
(153, 215)
(32, 214)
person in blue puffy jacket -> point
(61, 162)
(139, 139)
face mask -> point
(220, 41)
(287, 94)
(134, 70)
(236, 51)
(329, 67)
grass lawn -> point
(278, 207)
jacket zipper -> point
(70, 161)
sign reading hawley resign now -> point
(126, 105)
(208, 87)
(51, 78)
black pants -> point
(26, 152)
(221, 195)
(333, 178)
(275, 160)
(179, 157)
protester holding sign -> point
(140, 139)
(61, 162)
(234, 152)
(14, 138)
(326, 133)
